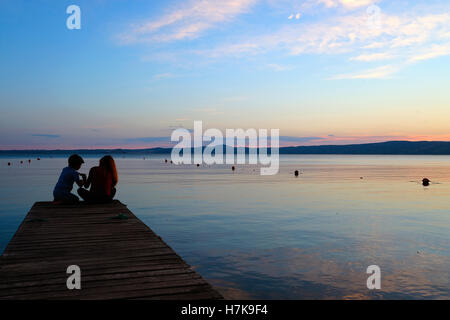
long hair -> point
(107, 163)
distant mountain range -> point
(390, 147)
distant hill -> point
(390, 147)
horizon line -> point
(159, 147)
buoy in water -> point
(296, 173)
(425, 182)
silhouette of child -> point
(69, 175)
(102, 180)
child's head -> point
(75, 161)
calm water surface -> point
(281, 237)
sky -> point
(320, 71)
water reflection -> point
(282, 237)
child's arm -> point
(81, 182)
(87, 182)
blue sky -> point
(321, 71)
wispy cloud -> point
(149, 139)
(400, 39)
(161, 76)
(299, 139)
(296, 16)
(50, 136)
(408, 37)
(210, 111)
(382, 72)
(433, 52)
(351, 4)
(187, 21)
(372, 57)
(349, 33)
(278, 67)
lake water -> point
(281, 237)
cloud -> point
(161, 76)
(296, 16)
(349, 33)
(210, 111)
(382, 72)
(372, 57)
(401, 39)
(188, 21)
(350, 4)
(433, 52)
(149, 139)
(171, 128)
(374, 45)
(278, 67)
(50, 136)
(407, 37)
(299, 139)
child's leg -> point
(71, 198)
(92, 197)
(67, 198)
(85, 194)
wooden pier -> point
(119, 257)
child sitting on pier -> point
(69, 175)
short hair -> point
(75, 160)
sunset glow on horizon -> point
(321, 71)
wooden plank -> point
(119, 259)
(157, 281)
